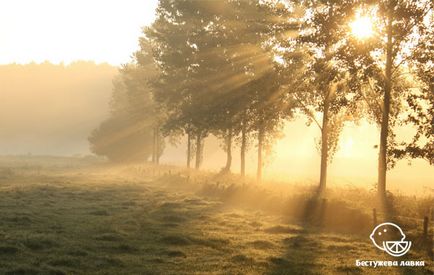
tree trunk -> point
(188, 150)
(243, 149)
(228, 151)
(260, 144)
(324, 143)
(382, 158)
(154, 146)
(157, 145)
(198, 150)
(202, 146)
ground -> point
(77, 218)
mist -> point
(294, 159)
(50, 109)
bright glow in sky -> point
(67, 30)
(362, 27)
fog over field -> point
(294, 159)
(48, 109)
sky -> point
(67, 30)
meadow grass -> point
(90, 218)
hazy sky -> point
(48, 109)
(67, 30)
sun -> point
(362, 27)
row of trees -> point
(238, 69)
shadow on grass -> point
(65, 228)
(306, 253)
(302, 250)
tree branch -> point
(308, 112)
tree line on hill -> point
(238, 69)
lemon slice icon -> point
(396, 248)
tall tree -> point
(178, 87)
(396, 67)
(148, 67)
(321, 85)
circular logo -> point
(389, 237)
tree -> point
(397, 68)
(127, 135)
(176, 88)
(206, 52)
(147, 72)
(242, 35)
(321, 84)
(420, 102)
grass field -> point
(75, 216)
